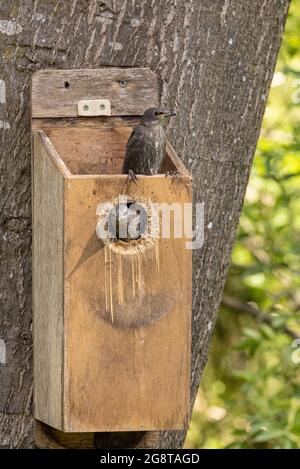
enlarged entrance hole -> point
(127, 226)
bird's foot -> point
(132, 176)
(172, 174)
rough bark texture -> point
(215, 61)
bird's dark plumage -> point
(146, 146)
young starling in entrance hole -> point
(145, 148)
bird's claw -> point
(132, 176)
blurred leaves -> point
(250, 391)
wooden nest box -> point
(111, 318)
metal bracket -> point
(94, 107)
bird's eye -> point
(156, 113)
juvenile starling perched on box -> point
(145, 148)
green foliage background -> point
(250, 390)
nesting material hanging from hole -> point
(129, 230)
(127, 226)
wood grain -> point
(48, 268)
(96, 146)
(56, 93)
(128, 353)
(123, 341)
(89, 146)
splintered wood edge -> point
(56, 93)
(51, 438)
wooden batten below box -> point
(111, 322)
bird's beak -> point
(167, 114)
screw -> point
(102, 106)
(86, 107)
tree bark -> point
(215, 61)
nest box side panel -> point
(127, 317)
(48, 221)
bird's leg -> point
(132, 176)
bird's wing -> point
(134, 149)
(136, 136)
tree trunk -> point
(215, 61)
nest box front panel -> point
(126, 317)
(111, 318)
